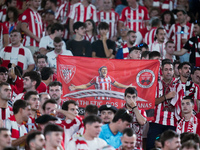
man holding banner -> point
(102, 82)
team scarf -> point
(125, 51)
(192, 125)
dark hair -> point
(155, 22)
(145, 54)
(29, 93)
(171, 42)
(182, 64)
(129, 132)
(55, 83)
(42, 56)
(190, 136)
(66, 104)
(3, 83)
(167, 135)
(94, 30)
(195, 69)
(166, 61)
(172, 21)
(3, 69)
(103, 25)
(56, 27)
(157, 31)
(130, 31)
(34, 76)
(190, 98)
(77, 25)
(15, 13)
(122, 114)
(57, 39)
(134, 48)
(189, 144)
(52, 128)
(197, 22)
(176, 62)
(32, 136)
(141, 45)
(52, 101)
(91, 109)
(181, 10)
(91, 119)
(54, 2)
(3, 129)
(10, 148)
(130, 90)
(46, 72)
(154, 54)
(19, 104)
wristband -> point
(134, 107)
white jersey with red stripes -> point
(134, 19)
(90, 38)
(111, 18)
(71, 127)
(165, 5)
(34, 22)
(3, 30)
(160, 47)
(149, 36)
(102, 83)
(5, 113)
(167, 27)
(178, 32)
(3, 13)
(81, 13)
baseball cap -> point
(45, 118)
(108, 107)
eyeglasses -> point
(123, 29)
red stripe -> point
(21, 51)
(3, 111)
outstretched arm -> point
(119, 85)
(79, 87)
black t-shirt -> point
(97, 46)
(80, 48)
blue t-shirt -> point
(120, 54)
(109, 137)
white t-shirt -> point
(47, 43)
(76, 144)
(52, 57)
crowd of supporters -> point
(33, 113)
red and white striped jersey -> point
(165, 5)
(3, 30)
(81, 13)
(20, 56)
(90, 38)
(134, 18)
(34, 22)
(138, 128)
(155, 46)
(178, 32)
(102, 84)
(71, 127)
(112, 19)
(166, 27)
(10, 26)
(149, 36)
(5, 113)
(3, 13)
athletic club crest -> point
(67, 72)
(145, 78)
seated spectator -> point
(134, 53)
(104, 47)
(47, 42)
(91, 31)
(91, 110)
(90, 139)
(16, 53)
(58, 50)
(49, 107)
(79, 46)
(112, 132)
(170, 48)
(107, 113)
(128, 139)
(41, 62)
(35, 141)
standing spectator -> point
(159, 43)
(112, 132)
(181, 32)
(35, 141)
(91, 31)
(82, 11)
(189, 122)
(167, 19)
(170, 140)
(58, 50)
(11, 18)
(5, 138)
(17, 54)
(123, 38)
(104, 47)
(170, 48)
(4, 36)
(90, 139)
(164, 5)
(49, 19)
(31, 25)
(107, 113)
(79, 46)
(41, 62)
(134, 16)
(46, 43)
(110, 17)
(21, 110)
